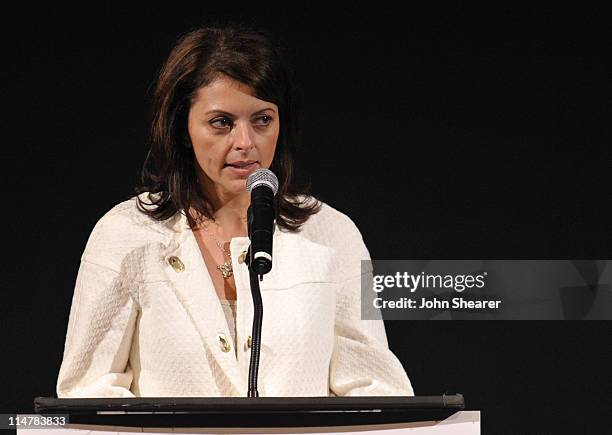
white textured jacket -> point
(146, 320)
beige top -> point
(229, 309)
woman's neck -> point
(230, 215)
(231, 222)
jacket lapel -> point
(195, 291)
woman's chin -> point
(235, 187)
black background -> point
(446, 133)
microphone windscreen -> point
(262, 177)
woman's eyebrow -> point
(231, 114)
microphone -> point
(262, 185)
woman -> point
(162, 303)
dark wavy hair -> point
(197, 59)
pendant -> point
(226, 269)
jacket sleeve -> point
(100, 327)
(362, 363)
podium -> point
(364, 415)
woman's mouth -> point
(243, 167)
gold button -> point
(249, 341)
(176, 263)
(223, 343)
(242, 257)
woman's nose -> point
(243, 138)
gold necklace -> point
(226, 268)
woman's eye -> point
(221, 123)
(264, 120)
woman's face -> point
(233, 133)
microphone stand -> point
(259, 256)
(256, 333)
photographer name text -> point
(437, 304)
